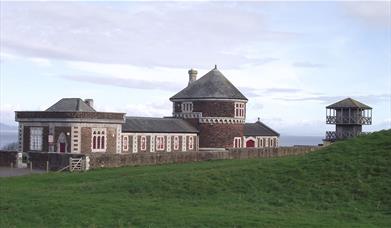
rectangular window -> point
(239, 110)
(176, 143)
(143, 142)
(125, 143)
(187, 107)
(237, 142)
(98, 142)
(191, 143)
(159, 142)
(36, 138)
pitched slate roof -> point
(70, 105)
(213, 85)
(258, 129)
(157, 125)
(349, 103)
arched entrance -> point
(62, 143)
(250, 143)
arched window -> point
(98, 140)
(143, 143)
(102, 143)
(176, 142)
(94, 142)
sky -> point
(290, 59)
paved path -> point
(9, 172)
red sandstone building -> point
(208, 114)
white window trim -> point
(184, 143)
(176, 142)
(143, 148)
(92, 139)
(160, 141)
(36, 137)
(187, 106)
(239, 139)
(191, 142)
(241, 107)
(125, 146)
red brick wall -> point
(219, 135)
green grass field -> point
(345, 185)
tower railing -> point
(361, 120)
(333, 136)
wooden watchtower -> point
(348, 115)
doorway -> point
(250, 143)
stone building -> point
(214, 106)
(70, 126)
(209, 114)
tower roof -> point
(213, 85)
(70, 105)
(348, 103)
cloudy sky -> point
(290, 59)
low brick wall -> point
(118, 160)
(7, 157)
(100, 160)
(56, 161)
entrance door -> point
(62, 147)
(250, 143)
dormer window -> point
(239, 110)
(187, 107)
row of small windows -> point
(240, 108)
(160, 143)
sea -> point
(7, 137)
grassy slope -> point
(346, 184)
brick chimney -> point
(89, 102)
(192, 75)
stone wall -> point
(7, 157)
(100, 160)
(56, 161)
(219, 135)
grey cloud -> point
(370, 12)
(126, 82)
(143, 34)
(308, 65)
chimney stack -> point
(192, 75)
(89, 102)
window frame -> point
(160, 144)
(36, 140)
(125, 146)
(98, 139)
(191, 142)
(176, 142)
(143, 145)
(187, 107)
(237, 142)
(240, 109)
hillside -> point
(344, 185)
